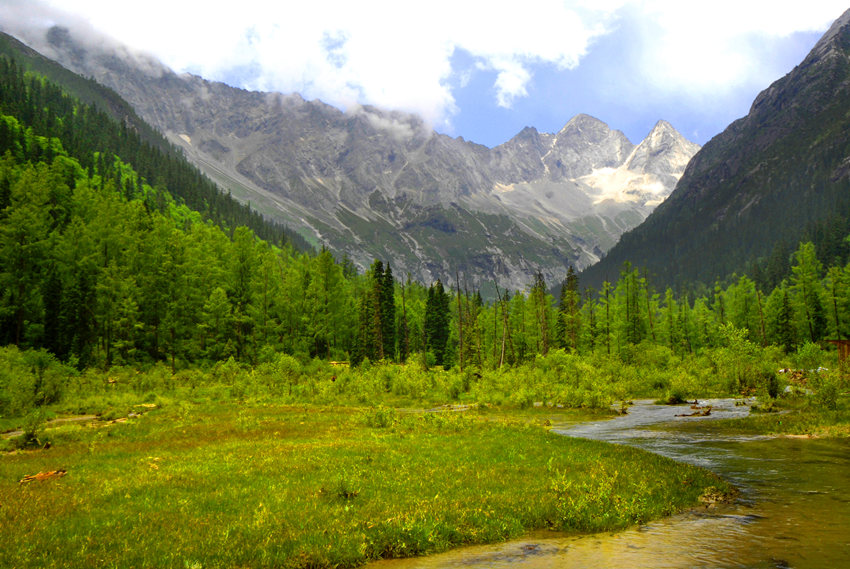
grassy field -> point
(253, 485)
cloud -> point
(401, 127)
(511, 81)
(381, 52)
(695, 48)
(398, 55)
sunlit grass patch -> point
(221, 485)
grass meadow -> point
(251, 485)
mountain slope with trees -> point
(99, 268)
(89, 119)
(103, 271)
(372, 183)
(775, 177)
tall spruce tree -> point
(785, 325)
(569, 318)
(437, 321)
(387, 304)
(806, 283)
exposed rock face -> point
(379, 184)
(772, 178)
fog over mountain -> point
(373, 183)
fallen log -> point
(702, 412)
(42, 476)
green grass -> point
(227, 485)
(796, 416)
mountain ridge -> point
(539, 201)
(771, 178)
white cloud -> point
(511, 80)
(381, 52)
(712, 47)
(402, 128)
(398, 54)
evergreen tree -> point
(403, 329)
(838, 302)
(367, 343)
(436, 325)
(806, 284)
(590, 331)
(606, 316)
(541, 304)
(671, 325)
(388, 317)
(23, 246)
(630, 289)
(376, 322)
(569, 316)
(785, 325)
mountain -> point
(372, 183)
(779, 175)
(105, 125)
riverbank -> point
(796, 417)
(225, 485)
(791, 509)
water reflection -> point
(794, 510)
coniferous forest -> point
(114, 253)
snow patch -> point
(503, 188)
(621, 185)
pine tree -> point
(366, 343)
(437, 321)
(785, 325)
(569, 316)
(388, 323)
(541, 304)
(806, 284)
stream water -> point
(793, 510)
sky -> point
(481, 69)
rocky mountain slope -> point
(376, 184)
(772, 178)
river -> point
(793, 510)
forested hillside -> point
(776, 177)
(101, 265)
(85, 90)
(93, 123)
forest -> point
(107, 262)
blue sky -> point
(481, 69)
(606, 86)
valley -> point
(245, 329)
(370, 183)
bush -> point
(809, 356)
(826, 392)
(827, 396)
(29, 379)
(380, 417)
(770, 384)
(32, 437)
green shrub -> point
(826, 395)
(30, 379)
(809, 356)
(380, 417)
(33, 435)
(770, 384)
